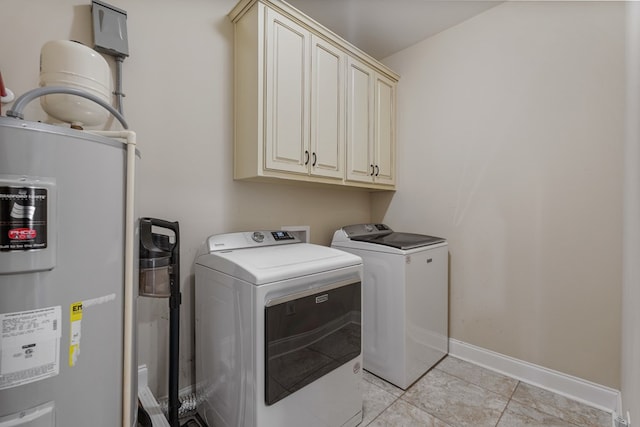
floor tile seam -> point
(425, 411)
(507, 405)
(382, 388)
(539, 409)
(518, 382)
(479, 385)
(568, 397)
(501, 396)
(391, 394)
(536, 409)
(396, 398)
(458, 377)
(370, 382)
(482, 368)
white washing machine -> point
(278, 332)
(405, 299)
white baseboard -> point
(575, 388)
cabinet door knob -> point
(372, 170)
(306, 157)
(377, 170)
(315, 159)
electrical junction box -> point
(109, 29)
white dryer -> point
(278, 332)
(405, 299)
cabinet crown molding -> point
(291, 12)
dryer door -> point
(308, 335)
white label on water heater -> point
(29, 346)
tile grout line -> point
(427, 412)
(469, 383)
(509, 397)
(381, 388)
(395, 398)
(386, 407)
(403, 392)
(508, 402)
(570, 422)
(481, 386)
(478, 385)
(383, 411)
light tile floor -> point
(456, 393)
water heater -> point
(62, 267)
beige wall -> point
(510, 145)
(178, 81)
(510, 130)
(630, 370)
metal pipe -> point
(130, 291)
(29, 96)
(118, 92)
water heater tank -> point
(72, 64)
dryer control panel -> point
(249, 239)
(282, 235)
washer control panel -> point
(357, 230)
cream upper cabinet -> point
(287, 75)
(296, 112)
(327, 109)
(370, 125)
(304, 95)
(384, 140)
(359, 121)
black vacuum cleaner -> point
(160, 278)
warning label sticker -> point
(29, 346)
(75, 332)
(23, 218)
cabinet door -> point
(287, 86)
(359, 121)
(384, 134)
(327, 109)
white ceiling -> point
(383, 27)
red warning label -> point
(22, 234)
